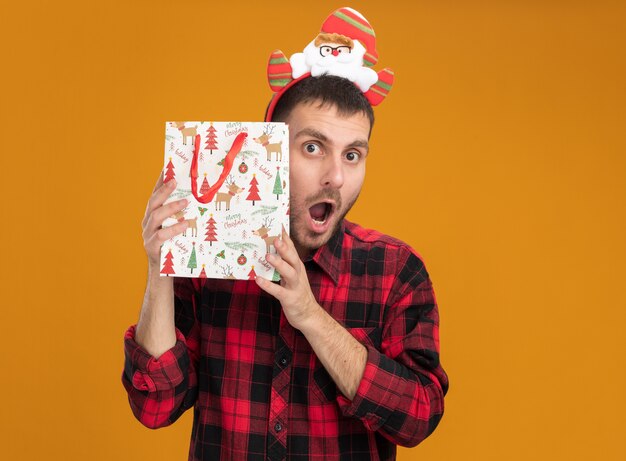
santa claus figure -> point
(345, 47)
(334, 54)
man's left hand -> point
(340, 353)
(294, 291)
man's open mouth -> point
(320, 212)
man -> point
(338, 361)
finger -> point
(155, 242)
(155, 219)
(286, 271)
(158, 197)
(285, 235)
(271, 288)
(158, 216)
(159, 182)
(287, 239)
(168, 211)
(161, 195)
(287, 252)
(163, 235)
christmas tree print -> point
(278, 188)
(254, 190)
(211, 233)
(192, 264)
(233, 238)
(204, 189)
(275, 276)
(211, 140)
(168, 265)
(169, 171)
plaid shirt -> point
(259, 391)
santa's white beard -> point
(351, 60)
(349, 65)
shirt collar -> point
(328, 256)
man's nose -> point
(333, 172)
(335, 52)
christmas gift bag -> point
(236, 178)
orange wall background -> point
(499, 155)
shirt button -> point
(283, 361)
(278, 427)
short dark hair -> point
(329, 90)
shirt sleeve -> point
(401, 394)
(161, 390)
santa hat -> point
(344, 21)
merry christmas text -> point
(233, 128)
(234, 221)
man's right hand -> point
(156, 331)
(153, 234)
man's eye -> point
(353, 156)
(312, 148)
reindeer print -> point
(192, 223)
(263, 233)
(226, 197)
(186, 132)
(233, 217)
(227, 272)
(264, 140)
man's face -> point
(327, 169)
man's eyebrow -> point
(322, 137)
(313, 133)
(359, 143)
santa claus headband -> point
(345, 47)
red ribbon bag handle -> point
(228, 165)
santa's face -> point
(328, 49)
(331, 54)
(327, 170)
